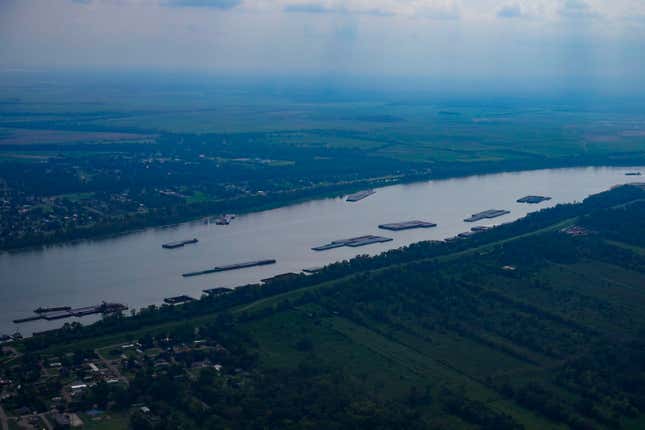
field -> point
(403, 126)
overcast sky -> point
(600, 40)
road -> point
(112, 367)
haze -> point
(593, 45)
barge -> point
(179, 244)
(353, 242)
(67, 312)
(407, 225)
(282, 277)
(359, 195)
(633, 174)
(533, 199)
(42, 310)
(480, 228)
(229, 267)
(217, 291)
(177, 300)
(491, 213)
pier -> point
(491, 213)
(407, 225)
(353, 242)
(229, 267)
(359, 195)
(179, 244)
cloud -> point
(82, 1)
(215, 4)
(577, 9)
(318, 8)
(510, 11)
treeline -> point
(246, 294)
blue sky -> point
(585, 40)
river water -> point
(134, 269)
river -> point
(134, 269)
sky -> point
(595, 41)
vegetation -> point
(534, 325)
(165, 157)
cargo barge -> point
(177, 300)
(353, 242)
(479, 228)
(359, 195)
(229, 267)
(407, 225)
(179, 244)
(213, 292)
(42, 310)
(282, 277)
(491, 213)
(533, 199)
(51, 314)
(633, 174)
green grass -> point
(107, 421)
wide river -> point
(134, 269)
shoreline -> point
(339, 191)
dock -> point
(407, 225)
(179, 244)
(359, 195)
(353, 242)
(229, 267)
(533, 199)
(51, 314)
(491, 213)
(178, 300)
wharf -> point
(491, 213)
(407, 225)
(359, 195)
(353, 242)
(533, 199)
(229, 267)
(179, 244)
